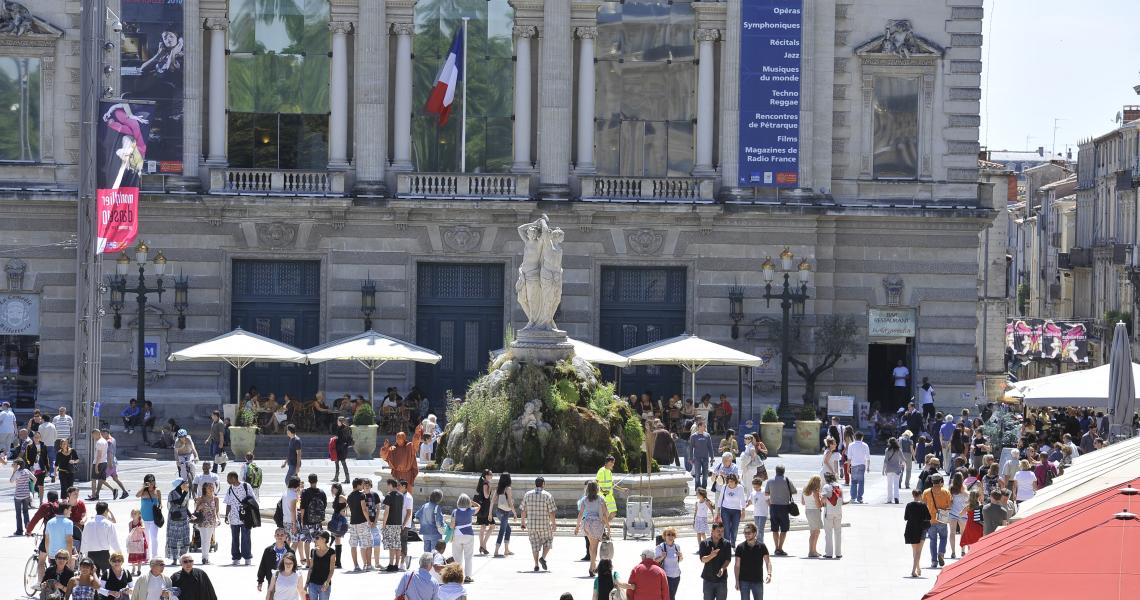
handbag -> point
(793, 508)
(338, 524)
(221, 458)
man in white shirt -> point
(99, 461)
(859, 455)
(7, 428)
(99, 539)
(408, 512)
(205, 477)
(900, 383)
(926, 397)
(63, 424)
(49, 435)
(703, 409)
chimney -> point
(1131, 113)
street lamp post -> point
(119, 290)
(790, 297)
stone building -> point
(309, 174)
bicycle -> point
(32, 572)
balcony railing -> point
(276, 181)
(496, 186)
(1080, 257)
(648, 189)
(1064, 261)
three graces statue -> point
(539, 286)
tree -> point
(833, 340)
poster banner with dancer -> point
(1047, 339)
(120, 154)
(152, 54)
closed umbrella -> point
(372, 350)
(1121, 381)
(239, 348)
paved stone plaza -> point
(875, 561)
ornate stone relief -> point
(17, 20)
(644, 241)
(901, 42)
(276, 234)
(462, 238)
(893, 286)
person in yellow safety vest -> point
(606, 487)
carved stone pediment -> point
(276, 234)
(462, 238)
(899, 41)
(17, 21)
(644, 241)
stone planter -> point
(364, 440)
(773, 436)
(242, 440)
(807, 436)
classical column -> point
(191, 99)
(338, 95)
(402, 121)
(370, 91)
(586, 37)
(522, 162)
(729, 93)
(554, 90)
(217, 106)
(706, 82)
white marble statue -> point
(539, 286)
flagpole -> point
(463, 117)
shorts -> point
(781, 521)
(308, 533)
(541, 541)
(360, 535)
(101, 471)
(391, 536)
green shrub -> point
(770, 416)
(246, 417)
(807, 413)
(633, 435)
(364, 415)
(602, 401)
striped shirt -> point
(21, 478)
(63, 425)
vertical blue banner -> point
(770, 49)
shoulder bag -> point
(793, 508)
(250, 511)
(156, 511)
(407, 584)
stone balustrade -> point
(648, 189)
(276, 181)
(494, 186)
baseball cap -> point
(182, 433)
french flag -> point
(442, 96)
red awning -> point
(1082, 549)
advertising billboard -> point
(121, 151)
(770, 48)
(152, 55)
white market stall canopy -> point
(591, 354)
(239, 348)
(372, 350)
(1077, 388)
(1089, 473)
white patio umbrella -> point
(692, 353)
(590, 353)
(372, 350)
(1088, 388)
(239, 348)
(1121, 381)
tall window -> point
(896, 128)
(279, 84)
(646, 79)
(19, 108)
(490, 85)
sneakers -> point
(391, 569)
(536, 568)
(468, 580)
(356, 569)
(247, 562)
(542, 561)
(236, 563)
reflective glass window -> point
(896, 128)
(645, 88)
(490, 85)
(19, 108)
(278, 73)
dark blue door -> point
(280, 300)
(459, 313)
(640, 305)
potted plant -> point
(807, 431)
(364, 432)
(243, 433)
(772, 431)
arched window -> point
(490, 85)
(278, 84)
(646, 79)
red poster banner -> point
(122, 146)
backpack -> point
(279, 515)
(332, 449)
(253, 476)
(315, 507)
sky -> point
(1056, 59)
